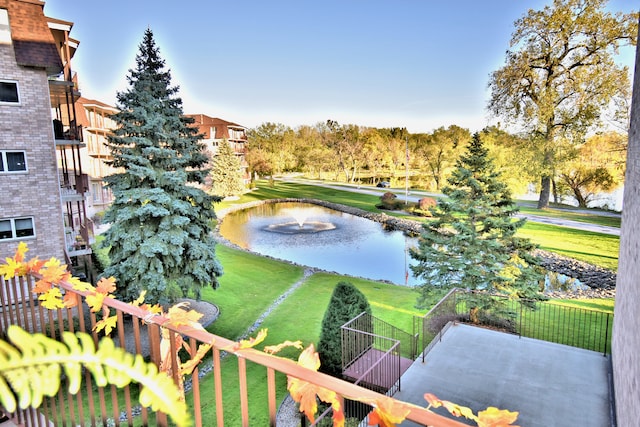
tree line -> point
(365, 155)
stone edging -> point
(601, 281)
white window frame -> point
(5, 29)
(14, 234)
(5, 164)
(17, 92)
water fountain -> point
(300, 225)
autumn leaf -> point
(454, 409)
(155, 308)
(20, 252)
(70, 300)
(309, 358)
(106, 285)
(138, 301)
(53, 271)
(79, 285)
(273, 349)
(107, 323)
(251, 342)
(494, 417)
(34, 265)
(41, 287)
(307, 394)
(387, 413)
(457, 410)
(178, 316)
(188, 367)
(432, 400)
(11, 269)
(52, 299)
(94, 301)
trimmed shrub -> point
(346, 303)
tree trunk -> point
(545, 191)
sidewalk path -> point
(414, 196)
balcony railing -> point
(139, 331)
(574, 326)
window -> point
(13, 161)
(5, 29)
(16, 228)
(9, 92)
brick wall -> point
(626, 324)
(28, 127)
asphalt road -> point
(414, 196)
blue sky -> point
(419, 64)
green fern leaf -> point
(31, 368)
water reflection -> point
(319, 237)
(322, 238)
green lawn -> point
(594, 248)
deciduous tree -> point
(472, 243)
(560, 75)
(598, 166)
(160, 236)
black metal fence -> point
(544, 320)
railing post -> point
(606, 335)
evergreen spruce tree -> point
(226, 173)
(346, 303)
(472, 244)
(160, 237)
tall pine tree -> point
(471, 243)
(160, 236)
(226, 178)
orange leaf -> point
(433, 400)
(20, 252)
(106, 286)
(387, 413)
(309, 358)
(251, 342)
(494, 417)
(34, 265)
(41, 287)
(273, 349)
(305, 394)
(70, 300)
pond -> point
(327, 239)
(319, 237)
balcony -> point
(472, 366)
(140, 331)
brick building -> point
(216, 131)
(43, 186)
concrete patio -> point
(548, 384)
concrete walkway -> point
(548, 384)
